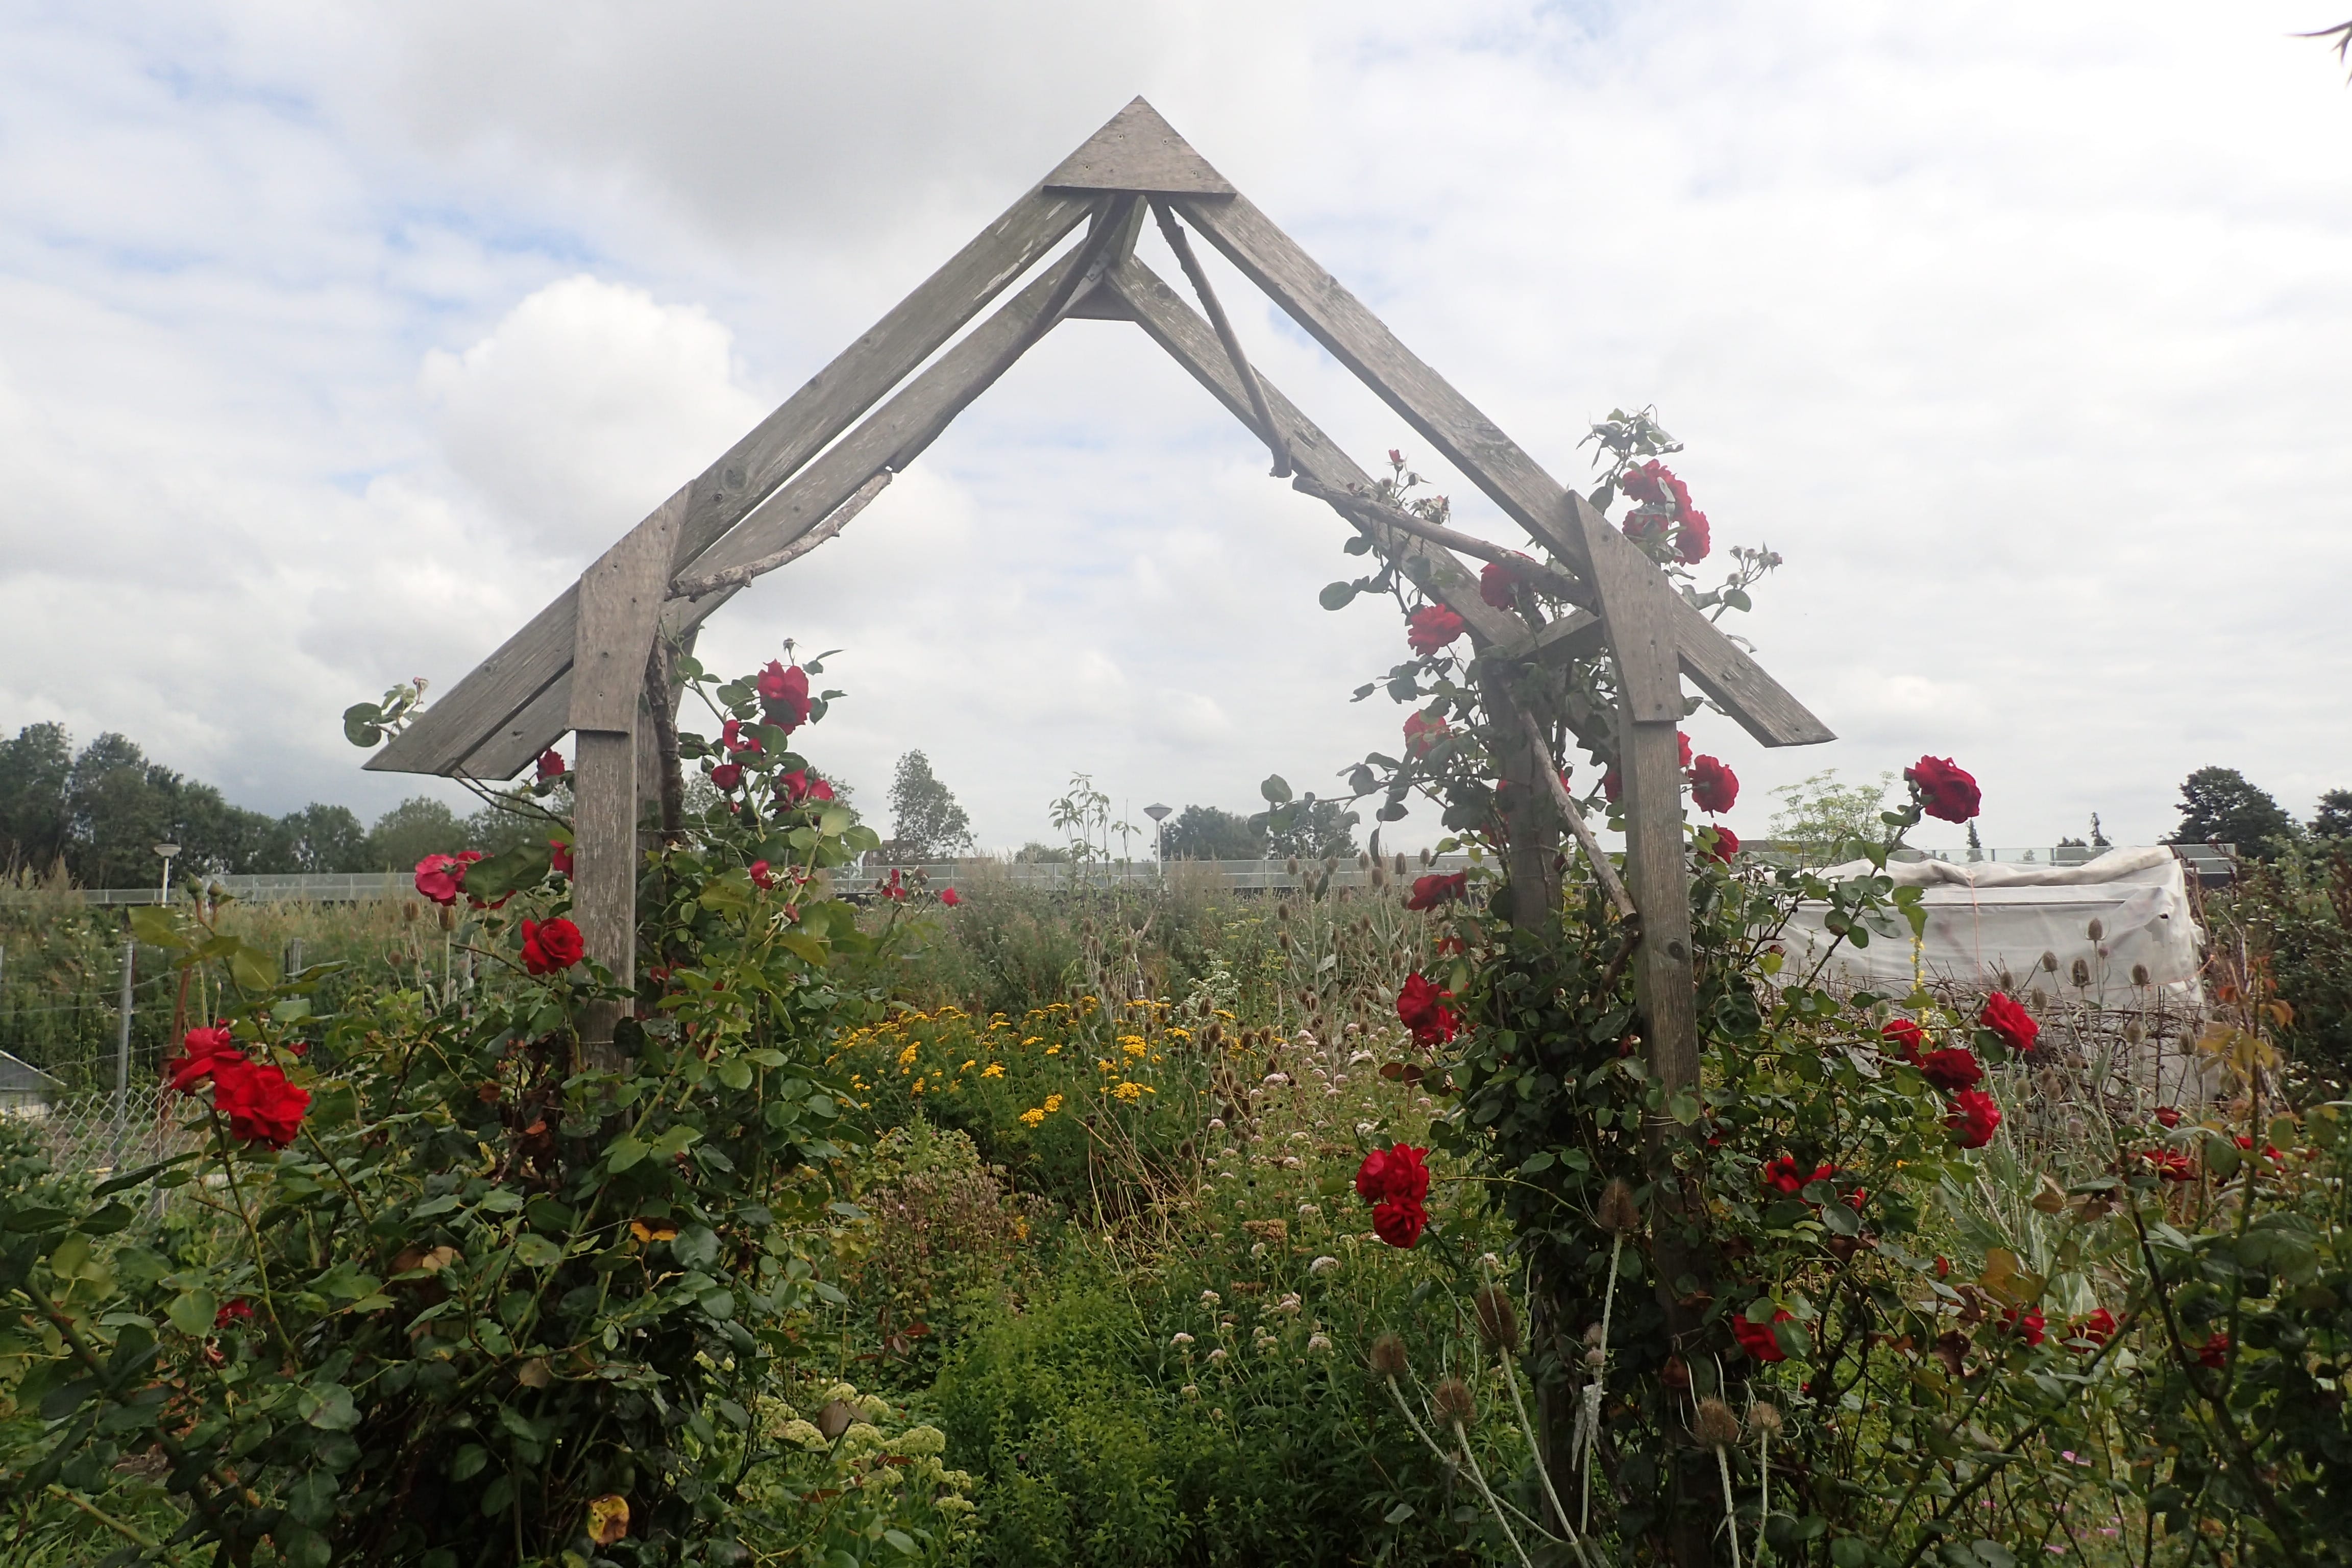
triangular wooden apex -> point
(1137, 150)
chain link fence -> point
(88, 1134)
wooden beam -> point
(1189, 338)
(1207, 294)
(478, 709)
(908, 421)
(1136, 149)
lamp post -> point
(165, 850)
(1159, 814)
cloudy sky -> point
(333, 340)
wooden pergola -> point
(581, 664)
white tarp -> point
(1986, 918)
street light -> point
(1159, 814)
(167, 850)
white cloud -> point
(332, 343)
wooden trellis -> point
(580, 664)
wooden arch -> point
(579, 665)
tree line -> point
(96, 814)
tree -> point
(320, 838)
(417, 826)
(36, 825)
(1207, 833)
(2334, 816)
(926, 821)
(1317, 828)
(1826, 822)
(2219, 806)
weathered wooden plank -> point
(1740, 686)
(1576, 635)
(478, 706)
(1359, 339)
(1635, 607)
(1207, 294)
(1176, 327)
(620, 597)
(1658, 874)
(605, 857)
(1136, 149)
(1548, 766)
(911, 417)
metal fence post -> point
(122, 1052)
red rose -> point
(1785, 1176)
(1692, 539)
(731, 736)
(236, 1311)
(1942, 789)
(441, 878)
(2172, 1164)
(1905, 1037)
(1647, 484)
(551, 765)
(1396, 458)
(1723, 845)
(1421, 1007)
(1714, 787)
(1495, 585)
(1422, 731)
(949, 897)
(2167, 1115)
(203, 1051)
(1430, 627)
(1612, 784)
(2025, 1323)
(1975, 1117)
(785, 694)
(1682, 745)
(2010, 1021)
(1432, 890)
(727, 775)
(2214, 1352)
(1952, 1070)
(1400, 1223)
(1758, 1339)
(552, 948)
(1398, 1173)
(895, 887)
(262, 1106)
(2097, 1327)
(764, 875)
(558, 856)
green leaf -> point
(696, 1246)
(1277, 789)
(735, 1073)
(623, 1153)
(329, 1408)
(132, 1178)
(1397, 1514)
(362, 723)
(535, 1251)
(312, 1498)
(901, 1540)
(511, 871)
(468, 1462)
(1846, 1552)
(156, 926)
(192, 1313)
(1541, 1160)
(1336, 596)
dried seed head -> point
(1592, 1334)
(1400, 868)
(1330, 864)
(2039, 997)
(1389, 1358)
(1451, 1399)
(1291, 864)
(2097, 929)
(1717, 1426)
(1364, 863)
(1281, 909)
(1214, 1034)
(1498, 1319)
(448, 917)
(2007, 981)
(2050, 963)
(1288, 945)
(2139, 974)
(2131, 1031)
(835, 1418)
(1380, 874)
(1619, 1213)
(2081, 973)
(408, 911)
(1764, 1418)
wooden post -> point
(620, 609)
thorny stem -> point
(1600, 1376)
(1543, 1471)
(1730, 1510)
(1462, 1438)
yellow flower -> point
(1180, 1034)
(907, 1056)
(969, 1066)
(1132, 1045)
(1130, 1091)
(1053, 1050)
(1052, 1102)
(993, 1069)
(918, 1086)
(1035, 1040)
(1033, 1117)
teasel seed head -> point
(2139, 974)
(1401, 867)
(1451, 1399)
(1619, 1213)
(1765, 1417)
(1498, 1318)
(1291, 864)
(1389, 1359)
(1717, 1426)
(2097, 929)
(1282, 910)
(2039, 997)
(2050, 963)
(2081, 971)
(1364, 863)
(1380, 874)
(2007, 981)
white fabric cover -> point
(1987, 917)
